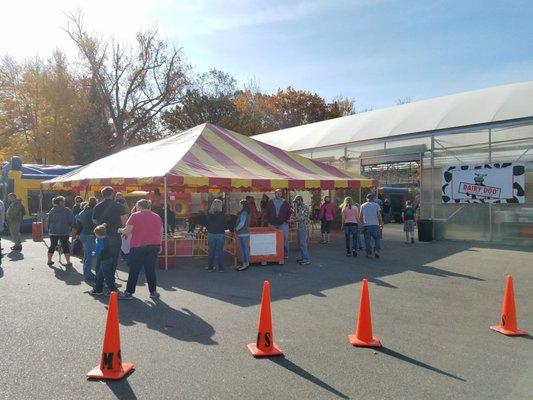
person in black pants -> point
(61, 223)
(109, 212)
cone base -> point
(375, 342)
(256, 352)
(97, 373)
(507, 332)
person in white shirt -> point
(370, 216)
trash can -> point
(37, 231)
(425, 230)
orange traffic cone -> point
(508, 326)
(265, 346)
(111, 366)
(363, 331)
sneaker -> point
(155, 295)
(354, 253)
(299, 260)
(413, 240)
(376, 254)
(95, 292)
(125, 296)
(348, 254)
(222, 270)
(243, 268)
(208, 269)
(306, 262)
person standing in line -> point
(263, 205)
(350, 222)
(386, 211)
(2, 221)
(326, 215)
(255, 216)
(108, 211)
(146, 230)
(88, 240)
(408, 216)
(61, 224)
(77, 208)
(105, 258)
(216, 226)
(278, 214)
(14, 216)
(301, 217)
(242, 231)
(370, 216)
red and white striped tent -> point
(207, 158)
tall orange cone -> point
(111, 365)
(265, 346)
(363, 331)
(508, 318)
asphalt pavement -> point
(432, 305)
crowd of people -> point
(103, 226)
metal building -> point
(415, 144)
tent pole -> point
(166, 221)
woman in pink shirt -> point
(326, 215)
(350, 222)
(145, 228)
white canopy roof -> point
(496, 104)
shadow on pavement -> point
(290, 366)
(15, 256)
(330, 268)
(182, 325)
(122, 389)
(410, 360)
(69, 275)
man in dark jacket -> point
(278, 213)
(108, 211)
(14, 216)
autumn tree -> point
(208, 98)
(134, 83)
(38, 106)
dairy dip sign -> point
(487, 183)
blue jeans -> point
(106, 272)
(244, 247)
(372, 231)
(303, 235)
(216, 246)
(111, 265)
(285, 229)
(142, 257)
(88, 242)
(351, 231)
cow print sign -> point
(486, 183)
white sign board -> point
(487, 183)
(262, 244)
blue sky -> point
(372, 51)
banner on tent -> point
(487, 183)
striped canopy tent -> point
(207, 158)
